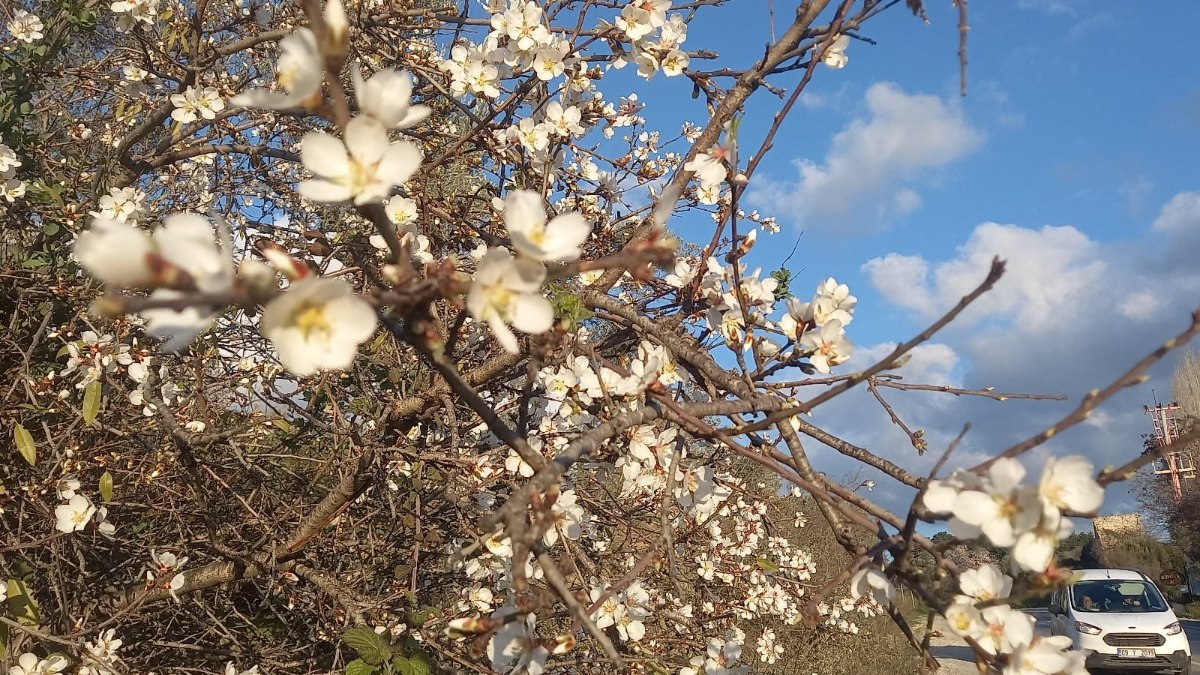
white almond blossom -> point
(1068, 484)
(186, 242)
(940, 494)
(835, 54)
(564, 120)
(131, 12)
(1034, 549)
(298, 71)
(74, 515)
(1004, 629)
(985, 583)
(8, 158)
(675, 62)
(635, 21)
(964, 619)
(168, 564)
(768, 649)
(833, 302)
(548, 61)
(1050, 655)
(124, 205)
(102, 655)
(364, 168)
(30, 664)
(1001, 510)
(318, 324)
(515, 647)
(872, 582)
(26, 27)
(401, 210)
(387, 97)
(827, 346)
(558, 240)
(506, 291)
(709, 169)
(196, 103)
(117, 253)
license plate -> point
(1135, 653)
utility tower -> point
(1177, 464)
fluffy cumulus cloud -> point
(1071, 314)
(1049, 269)
(874, 165)
(1181, 215)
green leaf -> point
(283, 425)
(25, 444)
(3, 640)
(106, 486)
(417, 663)
(783, 277)
(91, 402)
(418, 617)
(373, 648)
(767, 566)
(50, 229)
(21, 605)
(359, 667)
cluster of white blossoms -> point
(728, 312)
(30, 664)
(124, 205)
(518, 43)
(166, 567)
(1024, 518)
(506, 290)
(317, 324)
(819, 326)
(1029, 521)
(25, 27)
(627, 609)
(132, 12)
(196, 103)
(638, 21)
(100, 655)
(1000, 629)
(720, 658)
(815, 330)
(94, 355)
(77, 511)
(11, 188)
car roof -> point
(1103, 574)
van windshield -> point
(1117, 596)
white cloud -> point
(1141, 305)
(869, 172)
(1071, 314)
(1048, 6)
(1180, 215)
(1047, 271)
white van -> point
(1121, 621)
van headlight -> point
(1173, 629)
(1087, 628)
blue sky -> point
(1073, 156)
